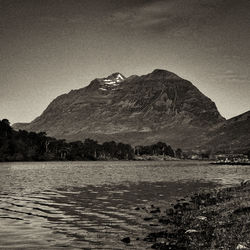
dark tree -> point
(30, 146)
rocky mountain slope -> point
(232, 135)
(159, 106)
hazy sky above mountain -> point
(50, 47)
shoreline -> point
(212, 219)
(142, 159)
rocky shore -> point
(215, 219)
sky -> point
(48, 47)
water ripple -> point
(92, 205)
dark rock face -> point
(159, 106)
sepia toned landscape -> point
(125, 124)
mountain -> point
(160, 106)
(232, 135)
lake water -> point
(91, 205)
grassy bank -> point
(217, 219)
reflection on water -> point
(91, 205)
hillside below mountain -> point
(232, 135)
(159, 106)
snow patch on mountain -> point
(111, 82)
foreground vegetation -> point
(217, 219)
(30, 146)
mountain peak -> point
(107, 83)
(162, 74)
(118, 77)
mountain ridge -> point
(137, 109)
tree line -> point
(30, 146)
(159, 148)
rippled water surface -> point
(91, 205)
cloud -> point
(176, 16)
(232, 76)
